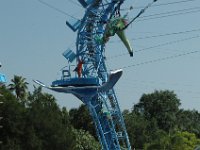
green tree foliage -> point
(155, 122)
(136, 126)
(184, 141)
(46, 119)
(159, 140)
(84, 141)
(81, 119)
(19, 85)
(160, 105)
(189, 121)
(39, 125)
(13, 114)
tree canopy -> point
(34, 120)
(157, 122)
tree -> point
(160, 105)
(50, 126)
(80, 119)
(13, 121)
(184, 141)
(158, 140)
(19, 85)
(84, 141)
(189, 120)
(39, 125)
(136, 127)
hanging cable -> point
(168, 43)
(139, 14)
(167, 34)
(56, 9)
(176, 13)
(160, 59)
(162, 4)
(161, 35)
(156, 46)
(171, 12)
(170, 3)
(75, 3)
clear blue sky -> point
(33, 37)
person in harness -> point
(116, 25)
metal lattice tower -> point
(92, 83)
(103, 107)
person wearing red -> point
(79, 68)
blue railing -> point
(2, 78)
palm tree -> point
(19, 86)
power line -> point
(56, 9)
(156, 46)
(140, 13)
(161, 35)
(175, 11)
(192, 10)
(167, 43)
(166, 34)
(163, 4)
(75, 3)
(171, 3)
(160, 59)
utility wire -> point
(168, 43)
(170, 15)
(140, 13)
(169, 12)
(75, 3)
(171, 3)
(160, 59)
(167, 34)
(156, 46)
(56, 9)
(163, 4)
(160, 15)
(161, 35)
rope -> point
(140, 13)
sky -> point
(165, 40)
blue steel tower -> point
(103, 106)
(91, 82)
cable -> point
(160, 59)
(75, 3)
(170, 3)
(167, 34)
(161, 15)
(56, 9)
(164, 16)
(155, 46)
(167, 43)
(175, 11)
(163, 4)
(139, 14)
(161, 35)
